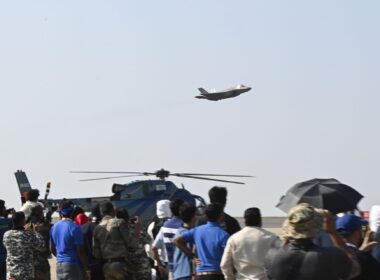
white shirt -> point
(245, 252)
(159, 244)
(27, 207)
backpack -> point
(158, 223)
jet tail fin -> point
(23, 184)
(203, 91)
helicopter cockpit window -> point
(117, 188)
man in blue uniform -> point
(210, 240)
(66, 242)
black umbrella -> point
(328, 194)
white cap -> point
(163, 209)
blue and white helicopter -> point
(139, 197)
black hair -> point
(187, 212)
(218, 195)
(36, 214)
(107, 208)
(252, 217)
(18, 220)
(33, 195)
(174, 206)
(122, 213)
(77, 210)
(95, 212)
(214, 211)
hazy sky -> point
(109, 85)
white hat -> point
(163, 209)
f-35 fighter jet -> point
(223, 94)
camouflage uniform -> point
(138, 264)
(111, 237)
(21, 245)
(41, 263)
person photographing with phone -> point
(21, 247)
(137, 261)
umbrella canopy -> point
(328, 194)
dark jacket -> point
(303, 260)
(369, 266)
(5, 224)
(230, 224)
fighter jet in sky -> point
(223, 94)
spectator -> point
(5, 224)
(301, 259)
(79, 217)
(219, 195)
(38, 223)
(210, 240)
(163, 213)
(182, 264)
(245, 252)
(21, 245)
(374, 220)
(95, 265)
(111, 239)
(31, 201)
(165, 237)
(350, 227)
(66, 242)
(137, 261)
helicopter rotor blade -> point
(209, 179)
(109, 172)
(112, 177)
(216, 175)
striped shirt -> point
(165, 238)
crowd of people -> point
(183, 244)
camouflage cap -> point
(303, 222)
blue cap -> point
(348, 224)
(67, 207)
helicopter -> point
(139, 197)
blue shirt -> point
(65, 236)
(182, 264)
(210, 240)
(5, 224)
